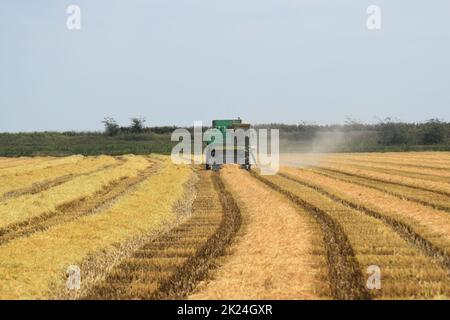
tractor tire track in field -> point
(348, 179)
(415, 166)
(45, 185)
(381, 180)
(170, 266)
(404, 230)
(80, 207)
(12, 163)
(407, 174)
(434, 176)
(346, 279)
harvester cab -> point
(240, 152)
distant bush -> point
(392, 133)
(111, 127)
(70, 133)
(386, 135)
(434, 132)
(162, 130)
(137, 125)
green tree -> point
(433, 132)
(111, 126)
(137, 125)
(392, 133)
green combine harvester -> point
(216, 145)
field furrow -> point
(402, 160)
(170, 266)
(432, 159)
(428, 186)
(40, 181)
(423, 227)
(39, 271)
(419, 173)
(402, 157)
(30, 165)
(427, 198)
(69, 211)
(143, 227)
(440, 177)
(436, 180)
(6, 163)
(29, 206)
(374, 243)
(345, 276)
(416, 166)
(284, 244)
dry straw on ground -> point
(45, 256)
(279, 256)
(138, 228)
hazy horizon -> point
(205, 124)
(267, 61)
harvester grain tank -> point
(220, 144)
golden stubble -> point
(279, 253)
(430, 223)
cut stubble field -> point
(141, 227)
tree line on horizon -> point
(386, 132)
(138, 138)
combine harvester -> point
(241, 149)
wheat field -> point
(141, 227)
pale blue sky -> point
(177, 61)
